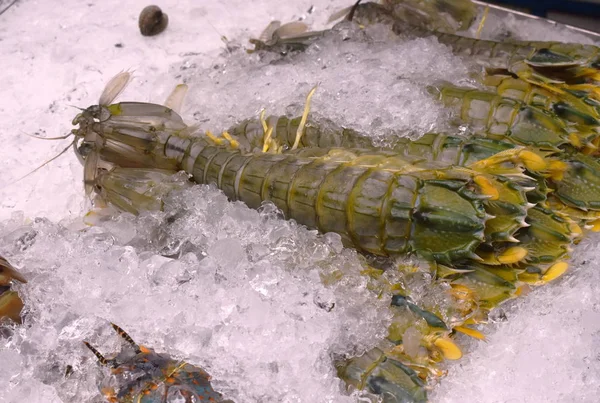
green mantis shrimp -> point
(484, 240)
(396, 221)
(563, 176)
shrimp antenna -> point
(127, 338)
(47, 138)
(353, 10)
(45, 163)
(7, 7)
(100, 357)
(217, 31)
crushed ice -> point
(372, 82)
(246, 300)
(542, 348)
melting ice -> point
(245, 298)
(369, 79)
(544, 347)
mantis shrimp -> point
(566, 69)
(472, 222)
(139, 374)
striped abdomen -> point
(504, 118)
(371, 201)
(433, 147)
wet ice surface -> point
(220, 305)
(547, 349)
(370, 80)
(245, 300)
(529, 29)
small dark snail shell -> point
(152, 21)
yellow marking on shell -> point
(234, 143)
(557, 169)
(519, 292)
(555, 271)
(300, 130)
(214, 138)
(576, 230)
(532, 161)
(476, 334)
(594, 75)
(513, 255)
(115, 109)
(448, 348)
(575, 140)
(487, 187)
(584, 87)
(144, 350)
(594, 225)
(523, 290)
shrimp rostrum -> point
(473, 223)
